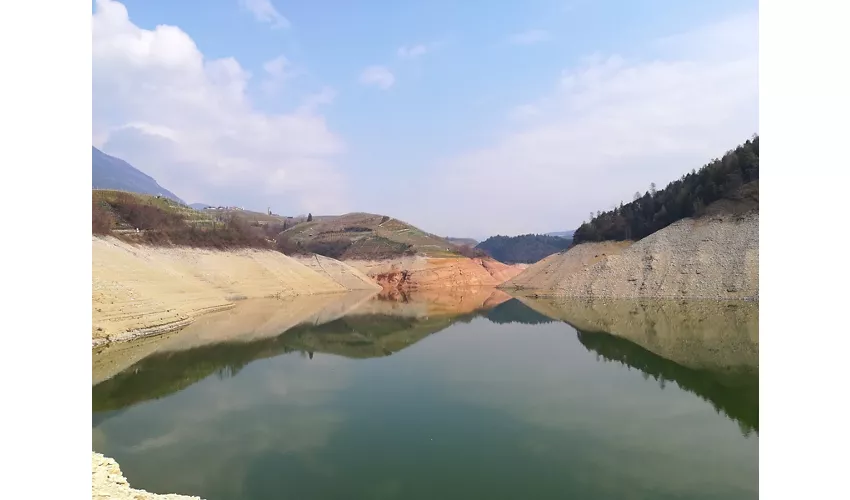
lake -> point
(468, 394)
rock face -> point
(144, 290)
(713, 257)
(416, 272)
(108, 482)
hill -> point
(734, 177)
(562, 234)
(199, 206)
(526, 249)
(109, 172)
(711, 257)
(462, 241)
(139, 218)
(363, 236)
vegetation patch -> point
(526, 248)
(160, 221)
(733, 177)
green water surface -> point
(634, 401)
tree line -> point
(685, 197)
(526, 248)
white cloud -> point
(529, 37)
(278, 71)
(186, 121)
(377, 76)
(265, 12)
(412, 51)
(325, 96)
(608, 128)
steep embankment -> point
(715, 256)
(416, 272)
(142, 290)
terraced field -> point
(366, 236)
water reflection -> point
(357, 396)
(708, 348)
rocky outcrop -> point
(415, 272)
(715, 257)
(144, 290)
(107, 482)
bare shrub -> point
(101, 219)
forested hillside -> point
(734, 176)
(527, 248)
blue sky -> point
(465, 118)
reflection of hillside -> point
(514, 311)
(717, 335)
(433, 302)
(248, 321)
(351, 326)
(734, 392)
(357, 335)
(709, 348)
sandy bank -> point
(107, 481)
(714, 257)
(144, 290)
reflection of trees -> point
(733, 392)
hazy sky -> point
(465, 118)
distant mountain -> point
(462, 241)
(199, 206)
(562, 234)
(526, 248)
(109, 172)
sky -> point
(466, 119)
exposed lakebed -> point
(464, 395)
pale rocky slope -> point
(340, 272)
(417, 272)
(107, 481)
(715, 256)
(142, 290)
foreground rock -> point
(142, 290)
(713, 257)
(108, 482)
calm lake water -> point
(482, 396)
